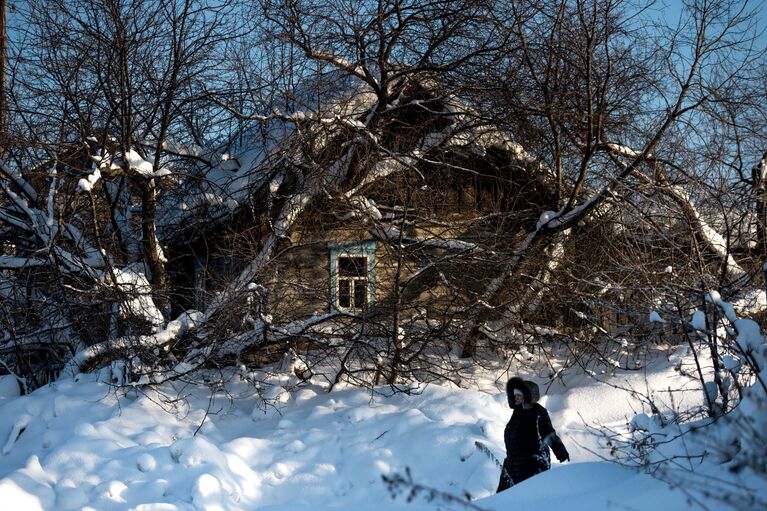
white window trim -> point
(364, 249)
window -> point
(352, 282)
(352, 275)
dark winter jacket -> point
(528, 436)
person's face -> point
(519, 397)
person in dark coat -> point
(528, 436)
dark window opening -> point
(352, 266)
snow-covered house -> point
(349, 210)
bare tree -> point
(611, 106)
(105, 99)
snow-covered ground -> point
(86, 445)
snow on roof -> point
(323, 107)
(218, 190)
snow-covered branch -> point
(713, 239)
(18, 180)
(12, 262)
(172, 331)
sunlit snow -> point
(86, 445)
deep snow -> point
(86, 445)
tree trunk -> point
(760, 188)
(3, 65)
(151, 247)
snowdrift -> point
(86, 445)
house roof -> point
(301, 153)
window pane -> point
(344, 293)
(360, 294)
(352, 266)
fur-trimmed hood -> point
(529, 389)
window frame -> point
(365, 249)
